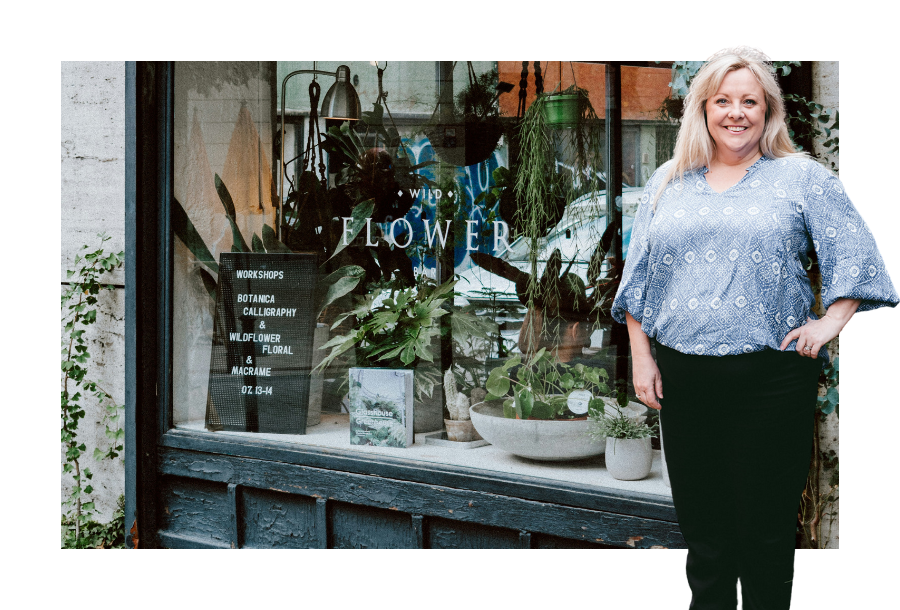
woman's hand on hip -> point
(647, 381)
(812, 336)
(816, 333)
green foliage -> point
(539, 386)
(396, 332)
(79, 310)
(829, 403)
(682, 73)
(622, 424)
(819, 500)
(814, 121)
(472, 336)
(544, 192)
(502, 179)
(328, 289)
(96, 535)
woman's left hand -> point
(812, 336)
(816, 333)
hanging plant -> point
(555, 168)
(565, 109)
(468, 131)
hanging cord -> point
(382, 98)
(523, 90)
(538, 79)
(314, 136)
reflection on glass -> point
(425, 188)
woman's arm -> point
(647, 380)
(816, 333)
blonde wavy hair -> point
(694, 146)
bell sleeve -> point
(633, 287)
(849, 260)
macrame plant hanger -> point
(523, 86)
(382, 99)
(314, 142)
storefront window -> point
(441, 175)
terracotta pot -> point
(461, 431)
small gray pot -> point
(629, 459)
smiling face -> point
(736, 116)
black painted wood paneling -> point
(548, 541)
(275, 520)
(401, 499)
(443, 533)
(196, 509)
(168, 540)
(365, 527)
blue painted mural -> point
(471, 181)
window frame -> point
(152, 442)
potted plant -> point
(371, 182)
(543, 191)
(566, 108)
(537, 407)
(459, 425)
(629, 453)
(467, 130)
(397, 330)
(543, 388)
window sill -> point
(333, 433)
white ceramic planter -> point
(534, 439)
(629, 459)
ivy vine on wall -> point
(79, 311)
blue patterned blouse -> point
(720, 273)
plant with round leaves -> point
(539, 386)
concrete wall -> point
(93, 201)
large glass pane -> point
(417, 190)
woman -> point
(714, 277)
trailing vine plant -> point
(544, 191)
(79, 311)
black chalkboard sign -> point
(259, 370)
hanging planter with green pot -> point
(563, 110)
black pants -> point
(737, 432)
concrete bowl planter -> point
(629, 459)
(545, 440)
